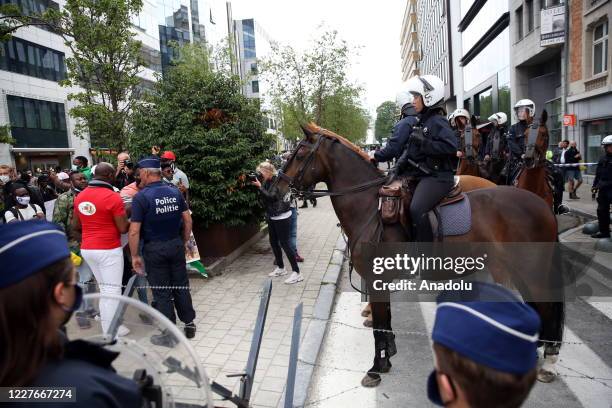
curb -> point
(314, 333)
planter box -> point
(219, 240)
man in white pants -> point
(102, 219)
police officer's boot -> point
(190, 330)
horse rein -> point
(531, 144)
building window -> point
(254, 68)
(600, 48)
(255, 86)
(32, 7)
(36, 123)
(595, 132)
(24, 57)
(555, 121)
(529, 5)
(484, 104)
(519, 23)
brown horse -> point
(533, 174)
(500, 214)
(469, 146)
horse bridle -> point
(468, 141)
(295, 183)
(531, 142)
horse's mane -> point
(329, 134)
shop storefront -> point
(594, 132)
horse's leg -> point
(384, 344)
(367, 310)
(552, 315)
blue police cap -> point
(500, 333)
(149, 163)
(26, 247)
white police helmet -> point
(607, 140)
(430, 87)
(451, 118)
(459, 113)
(499, 117)
(403, 98)
(525, 103)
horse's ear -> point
(544, 117)
(308, 133)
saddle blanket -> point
(456, 218)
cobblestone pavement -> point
(226, 307)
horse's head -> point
(315, 156)
(470, 139)
(536, 140)
(305, 167)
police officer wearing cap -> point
(485, 345)
(401, 130)
(160, 216)
(430, 153)
(38, 295)
(602, 186)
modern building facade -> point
(409, 41)
(32, 102)
(589, 96)
(485, 56)
(425, 42)
(538, 68)
(32, 63)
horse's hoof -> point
(366, 312)
(546, 376)
(370, 380)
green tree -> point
(13, 18)
(105, 64)
(386, 115)
(216, 133)
(314, 86)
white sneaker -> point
(122, 331)
(278, 272)
(294, 278)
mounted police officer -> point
(525, 111)
(458, 121)
(496, 142)
(401, 130)
(429, 153)
(602, 185)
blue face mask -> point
(78, 300)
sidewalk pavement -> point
(226, 307)
(585, 205)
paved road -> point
(348, 350)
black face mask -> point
(78, 300)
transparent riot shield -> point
(153, 351)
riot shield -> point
(154, 352)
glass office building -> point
(486, 56)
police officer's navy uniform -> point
(603, 182)
(516, 139)
(398, 140)
(433, 147)
(159, 208)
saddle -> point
(445, 219)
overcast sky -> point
(375, 26)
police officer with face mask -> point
(429, 154)
(38, 295)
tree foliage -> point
(314, 86)
(105, 64)
(216, 133)
(386, 114)
(13, 18)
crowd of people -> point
(96, 207)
